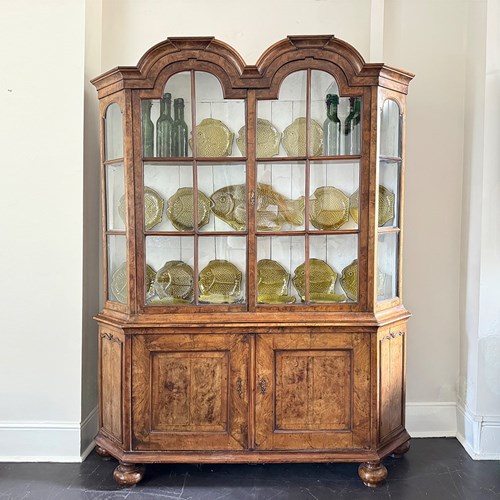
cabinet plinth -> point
(252, 258)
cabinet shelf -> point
(253, 303)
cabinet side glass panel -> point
(281, 123)
(280, 198)
(390, 129)
(334, 195)
(280, 265)
(168, 198)
(113, 132)
(169, 274)
(333, 268)
(220, 123)
(222, 268)
(117, 268)
(115, 197)
(335, 121)
(224, 186)
(388, 193)
(387, 269)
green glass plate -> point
(321, 278)
(386, 201)
(175, 281)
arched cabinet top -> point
(218, 58)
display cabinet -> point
(252, 236)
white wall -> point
(41, 178)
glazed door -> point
(189, 392)
(312, 391)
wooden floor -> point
(433, 469)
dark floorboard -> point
(433, 469)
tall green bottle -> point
(352, 128)
(165, 128)
(331, 127)
(180, 133)
(147, 130)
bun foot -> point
(372, 473)
(102, 452)
(128, 474)
(401, 450)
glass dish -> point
(294, 138)
(213, 139)
(180, 209)
(153, 208)
(220, 282)
(119, 283)
(386, 199)
(322, 280)
(329, 208)
(174, 282)
(268, 139)
(272, 283)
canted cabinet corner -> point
(252, 237)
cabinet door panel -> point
(312, 391)
(189, 392)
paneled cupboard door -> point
(312, 391)
(189, 392)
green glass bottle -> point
(331, 127)
(147, 130)
(165, 127)
(180, 133)
(352, 128)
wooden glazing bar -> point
(393, 159)
(192, 233)
(195, 188)
(201, 159)
(115, 233)
(302, 233)
(251, 201)
(385, 230)
(281, 159)
(114, 161)
(308, 183)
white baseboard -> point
(431, 419)
(46, 441)
(479, 435)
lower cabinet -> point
(308, 395)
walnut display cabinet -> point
(252, 257)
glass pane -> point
(387, 275)
(280, 196)
(113, 141)
(168, 191)
(286, 116)
(278, 258)
(333, 268)
(225, 185)
(115, 197)
(117, 269)
(388, 202)
(218, 120)
(333, 186)
(335, 120)
(169, 277)
(222, 269)
(390, 129)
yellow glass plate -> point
(349, 280)
(386, 201)
(220, 282)
(213, 139)
(175, 281)
(180, 209)
(119, 283)
(294, 138)
(268, 139)
(329, 208)
(326, 298)
(272, 283)
(322, 278)
(153, 208)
